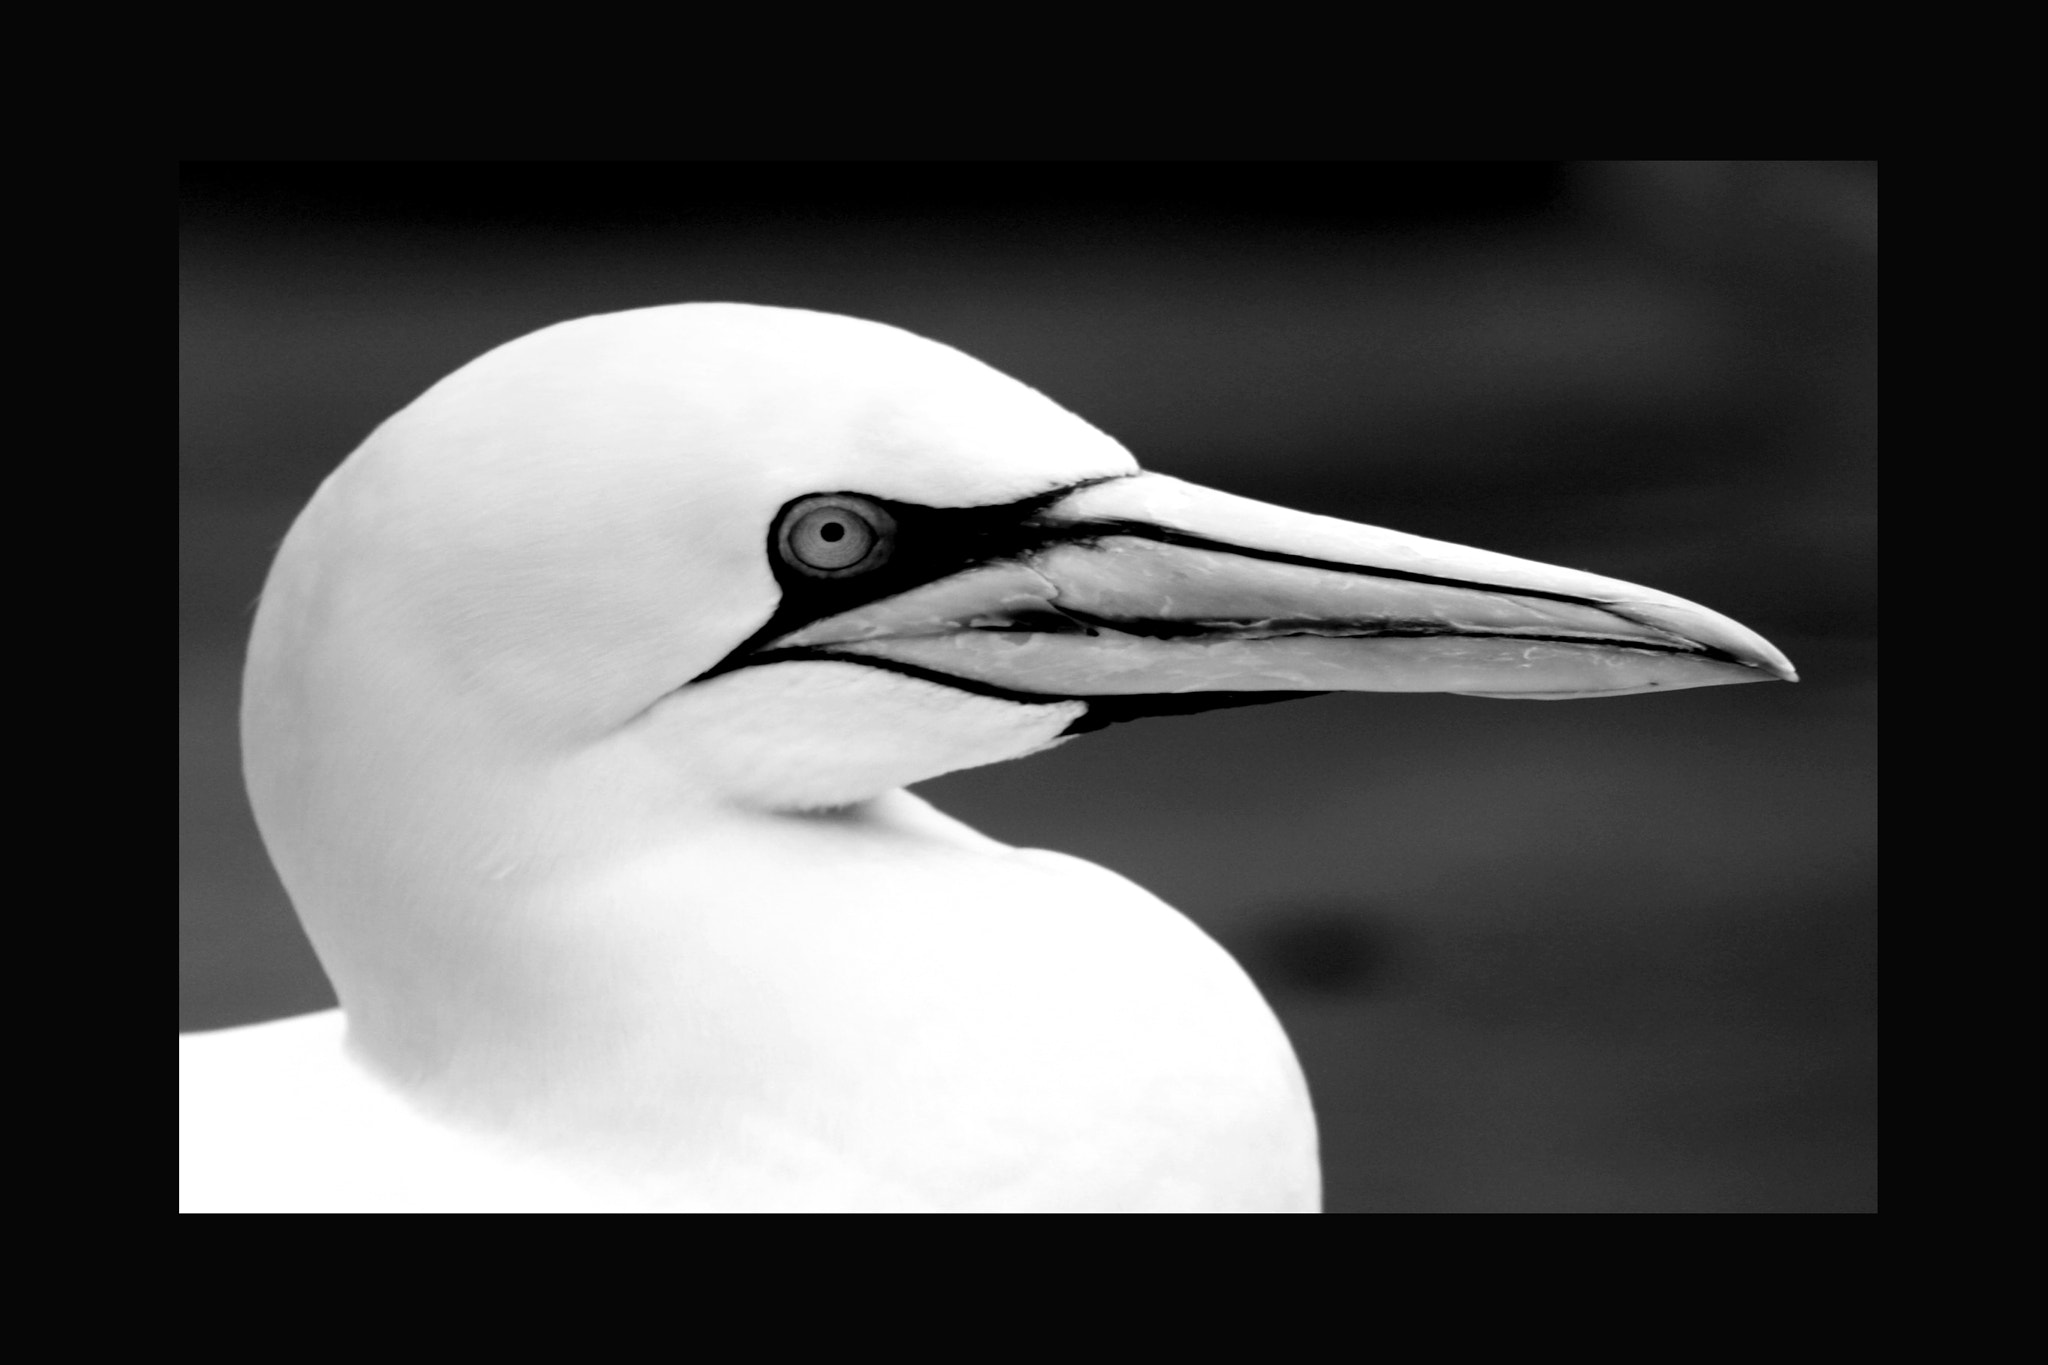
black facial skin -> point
(932, 543)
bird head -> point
(791, 560)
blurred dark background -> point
(1602, 956)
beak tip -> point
(1772, 663)
(1734, 642)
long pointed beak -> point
(1148, 585)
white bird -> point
(576, 719)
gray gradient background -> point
(1594, 956)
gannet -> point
(578, 713)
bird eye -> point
(835, 535)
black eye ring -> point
(836, 535)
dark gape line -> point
(1138, 530)
(1103, 710)
(1390, 629)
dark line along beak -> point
(1149, 585)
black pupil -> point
(831, 530)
